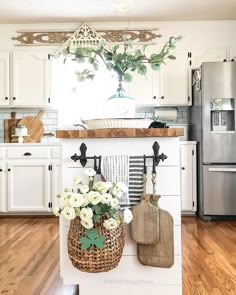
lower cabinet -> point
(2, 187)
(30, 178)
(188, 177)
(28, 185)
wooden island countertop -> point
(119, 132)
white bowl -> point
(118, 123)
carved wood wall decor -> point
(56, 38)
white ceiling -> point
(32, 11)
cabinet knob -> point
(232, 59)
(27, 154)
(224, 60)
(162, 97)
(6, 98)
(0, 170)
(183, 168)
(9, 169)
(154, 97)
(14, 98)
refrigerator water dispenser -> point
(222, 113)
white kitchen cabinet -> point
(30, 79)
(197, 57)
(30, 177)
(2, 188)
(28, 185)
(232, 54)
(145, 88)
(188, 177)
(174, 80)
(4, 78)
(25, 79)
(56, 186)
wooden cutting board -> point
(9, 127)
(162, 253)
(145, 223)
(34, 126)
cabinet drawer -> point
(1, 153)
(29, 152)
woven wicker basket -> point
(95, 260)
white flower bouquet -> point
(96, 231)
(94, 202)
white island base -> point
(130, 277)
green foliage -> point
(122, 62)
(92, 239)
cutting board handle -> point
(40, 114)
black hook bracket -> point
(83, 158)
(156, 157)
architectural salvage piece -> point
(85, 36)
(111, 36)
(116, 36)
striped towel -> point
(136, 164)
(114, 169)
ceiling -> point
(61, 11)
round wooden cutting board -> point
(34, 126)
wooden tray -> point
(162, 253)
(9, 127)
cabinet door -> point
(56, 181)
(145, 88)
(4, 78)
(200, 56)
(2, 188)
(30, 79)
(28, 185)
(188, 177)
(175, 80)
(232, 54)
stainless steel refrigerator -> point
(212, 125)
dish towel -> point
(114, 169)
(136, 165)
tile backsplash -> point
(148, 112)
(49, 119)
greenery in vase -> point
(124, 63)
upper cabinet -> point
(30, 79)
(145, 89)
(4, 78)
(197, 57)
(232, 54)
(174, 77)
(25, 79)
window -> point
(77, 100)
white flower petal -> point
(115, 203)
(69, 213)
(90, 172)
(86, 214)
(57, 211)
(76, 200)
(87, 224)
(110, 223)
(127, 216)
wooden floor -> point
(29, 257)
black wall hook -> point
(83, 158)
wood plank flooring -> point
(209, 257)
(29, 257)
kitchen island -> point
(130, 275)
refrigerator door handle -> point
(222, 169)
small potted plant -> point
(96, 229)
